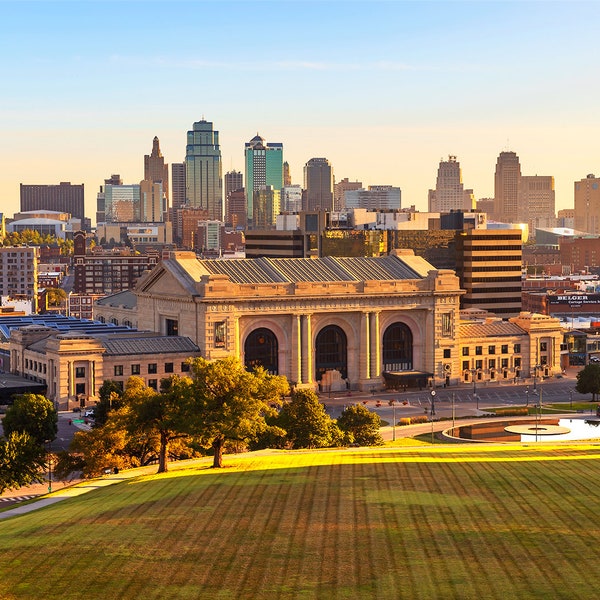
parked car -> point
(89, 413)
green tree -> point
(162, 414)
(33, 414)
(361, 425)
(588, 381)
(56, 296)
(230, 404)
(110, 396)
(21, 460)
(306, 422)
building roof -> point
(124, 299)
(288, 270)
(140, 344)
(493, 329)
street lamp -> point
(432, 403)
(392, 403)
(527, 394)
(571, 398)
(474, 378)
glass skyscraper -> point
(264, 166)
(204, 181)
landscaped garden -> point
(422, 522)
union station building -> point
(327, 324)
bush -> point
(513, 411)
(413, 420)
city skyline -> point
(383, 90)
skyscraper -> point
(318, 183)
(264, 167)
(287, 177)
(339, 191)
(587, 204)
(506, 187)
(537, 201)
(122, 203)
(101, 197)
(155, 168)
(449, 193)
(377, 197)
(234, 180)
(177, 197)
(204, 181)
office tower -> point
(101, 197)
(204, 181)
(536, 201)
(19, 273)
(506, 187)
(587, 204)
(153, 203)
(287, 177)
(318, 183)
(155, 168)
(264, 167)
(236, 209)
(65, 197)
(489, 263)
(177, 197)
(449, 193)
(234, 180)
(122, 203)
(377, 197)
(267, 202)
(291, 199)
(485, 205)
(339, 191)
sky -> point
(384, 90)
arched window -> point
(397, 348)
(262, 350)
(331, 352)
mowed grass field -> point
(425, 522)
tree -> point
(361, 425)
(110, 394)
(146, 411)
(230, 404)
(588, 381)
(306, 422)
(33, 414)
(56, 296)
(21, 460)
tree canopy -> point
(21, 460)
(588, 381)
(230, 404)
(360, 425)
(33, 414)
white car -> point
(89, 413)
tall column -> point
(365, 348)
(375, 345)
(307, 354)
(298, 354)
(236, 338)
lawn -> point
(422, 522)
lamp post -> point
(432, 403)
(453, 414)
(475, 396)
(571, 398)
(392, 403)
(527, 395)
(49, 465)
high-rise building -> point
(19, 273)
(377, 197)
(177, 196)
(122, 203)
(101, 197)
(236, 209)
(264, 167)
(318, 183)
(339, 191)
(204, 181)
(489, 264)
(155, 168)
(234, 180)
(536, 201)
(587, 204)
(153, 203)
(287, 177)
(267, 205)
(506, 187)
(64, 197)
(449, 193)
(291, 199)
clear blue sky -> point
(384, 90)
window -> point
(135, 369)
(168, 367)
(543, 347)
(447, 324)
(504, 349)
(79, 372)
(479, 364)
(118, 370)
(479, 350)
(152, 369)
(447, 352)
(220, 334)
(79, 389)
(505, 363)
(491, 349)
(492, 363)
(153, 383)
(517, 362)
(465, 365)
(517, 348)
(465, 351)
(185, 367)
(171, 327)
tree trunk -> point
(217, 445)
(163, 455)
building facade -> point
(264, 167)
(203, 170)
(19, 273)
(506, 187)
(318, 184)
(537, 201)
(64, 197)
(155, 168)
(449, 193)
(377, 197)
(339, 192)
(587, 204)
